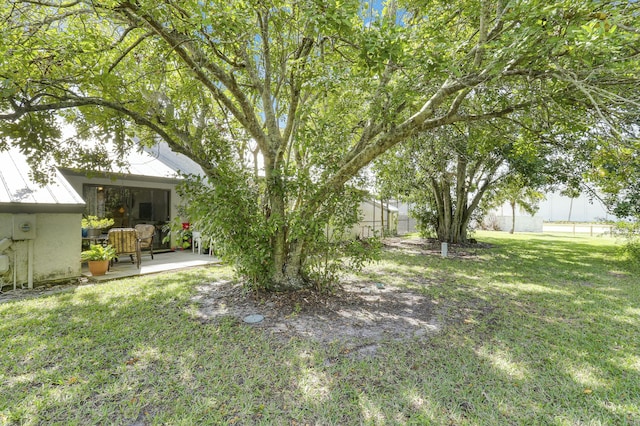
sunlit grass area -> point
(548, 333)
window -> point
(128, 206)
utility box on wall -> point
(24, 227)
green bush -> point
(239, 219)
(630, 233)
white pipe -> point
(30, 266)
(15, 269)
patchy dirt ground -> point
(359, 311)
(51, 288)
(358, 314)
(432, 246)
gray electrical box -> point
(24, 227)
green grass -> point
(548, 332)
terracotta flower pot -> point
(98, 267)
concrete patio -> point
(162, 262)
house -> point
(40, 231)
(144, 192)
(40, 236)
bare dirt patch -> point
(359, 311)
(358, 314)
(431, 246)
(9, 295)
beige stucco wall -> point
(56, 249)
(371, 222)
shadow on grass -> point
(551, 350)
(558, 345)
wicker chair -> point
(125, 241)
(145, 237)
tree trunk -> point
(452, 224)
(290, 277)
(286, 257)
(570, 208)
(442, 230)
(448, 211)
(451, 228)
(459, 222)
(513, 218)
(452, 219)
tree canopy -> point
(319, 89)
(452, 176)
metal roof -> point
(376, 203)
(141, 163)
(18, 193)
(150, 164)
(174, 161)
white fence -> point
(578, 228)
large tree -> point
(444, 176)
(320, 87)
(460, 171)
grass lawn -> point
(548, 333)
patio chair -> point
(125, 242)
(196, 242)
(145, 237)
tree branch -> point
(52, 4)
(265, 92)
(198, 63)
(302, 51)
(128, 50)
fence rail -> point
(407, 225)
(578, 228)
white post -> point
(30, 265)
(15, 269)
(444, 248)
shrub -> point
(97, 222)
(630, 232)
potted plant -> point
(182, 232)
(94, 225)
(184, 238)
(98, 258)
